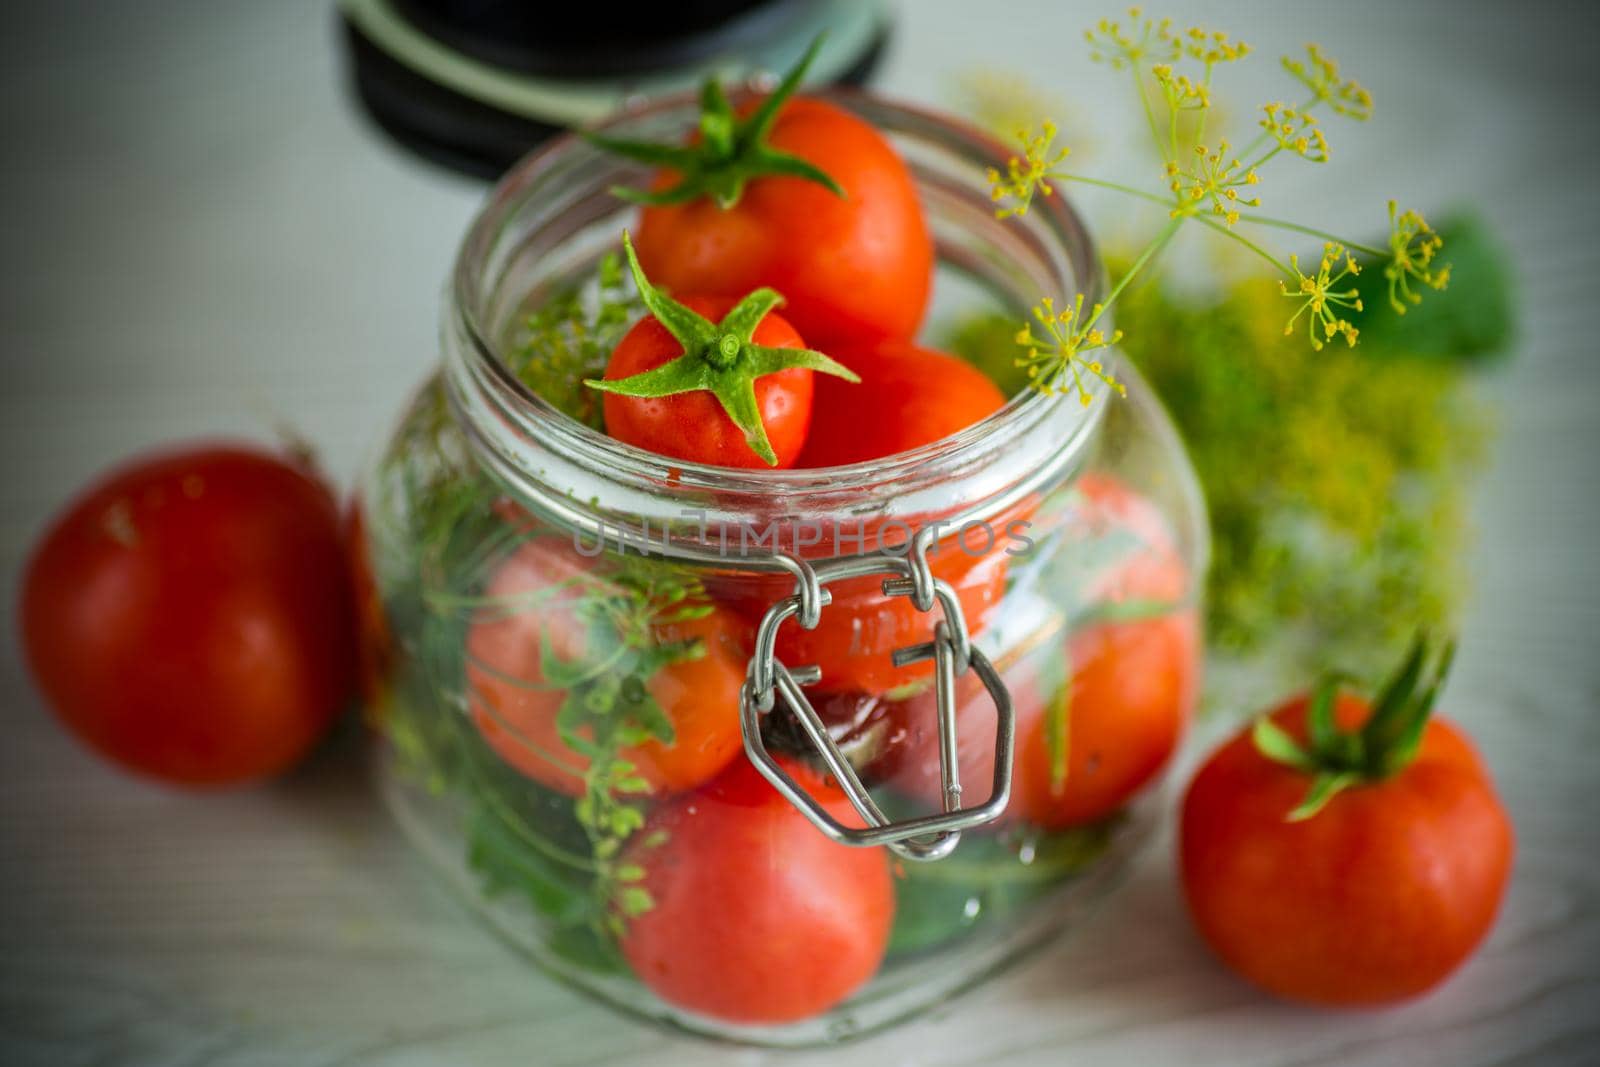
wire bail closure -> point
(922, 838)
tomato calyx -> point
(1384, 745)
(730, 152)
(720, 358)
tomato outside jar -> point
(606, 717)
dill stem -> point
(1149, 115)
(1116, 186)
(1149, 253)
(1312, 231)
(1242, 239)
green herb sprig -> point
(1210, 184)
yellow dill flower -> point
(1212, 46)
(1214, 179)
(1295, 131)
(1182, 93)
(1057, 361)
(1110, 42)
(1317, 296)
(1412, 247)
(1028, 174)
(1320, 74)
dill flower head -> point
(1319, 301)
(1143, 39)
(1057, 361)
(1028, 174)
(1214, 178)
(1295, 131)
(1320, 74)
(1413, 244)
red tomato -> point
(1127, 690)
(1375, 898)
(190, 617)
(693, 426)
(1140, 556)
(757, 917)
(1132, 687)
(907, 397)
(857, 266)
(860, 629)
(514, 704)
(375, 645)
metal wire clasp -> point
(927, 837)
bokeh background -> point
(205, 236)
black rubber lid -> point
(475, 84)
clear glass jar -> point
(523, 644)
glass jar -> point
(582, 653)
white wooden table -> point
(202, 237)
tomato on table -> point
(190, 617)
(712, 380)
(755, 916)
(1344, 853)
(792, 193)
(557, 637)
(907, 397)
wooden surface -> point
(202, 237)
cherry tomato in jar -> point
(793, 193)
(1099, 714)
(755, 916)
(712, 380)
(907, 397)
(1085, 746)
(556, 636)
(1343, 853)
(860, 630)
(190, 617)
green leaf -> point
(681, 193)
(690, 330)
(678, 157)
(1272, 742)
(731, 152)
(1396, 708)
(765, 360)
(1057, 735)
(737, 395)
(1320, 724)
(1324, 787)
(507, 864)
(635, 901)
(1472, 320)
(987, 879)
(685, 374)
(787, 165)
(743, 318)
(754, 132)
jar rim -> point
(483, 383)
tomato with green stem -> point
(751, 915)
(1344, 853)
(792, 193)
(907, 397)
(731, 393)
(191, 618)
(566, 664)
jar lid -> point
(476, 84)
